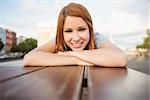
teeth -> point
(77, 45)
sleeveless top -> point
(99, 39)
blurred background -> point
(26, 24)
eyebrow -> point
(81, 27)
(84, 26)
(68, 28)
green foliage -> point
(1, 44)
(146, 43)
(15, 49)
(25, 46)
(148, 32)
(139, 46)
(32, 42)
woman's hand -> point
(80, 62)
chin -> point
(77, 49)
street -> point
(15, 63)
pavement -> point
(139, 63)
(13, 63)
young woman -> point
(76, 43)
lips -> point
(77, 45)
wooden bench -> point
(117, 84)
(66, 83)
(7, 73)
(49, 83)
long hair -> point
(77, 10)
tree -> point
(1, 44)
(15, 49)
(148, 32)
(31, 42)
(146, 43)
(25, 46)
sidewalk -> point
(141, 64)
(12, 63)
(10, 59)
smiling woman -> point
(76, 43)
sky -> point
(124, 21)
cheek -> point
(67, 38)
(86, 36)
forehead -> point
(74, 22)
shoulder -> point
(49, 46)
(99, 39)
(99, 36)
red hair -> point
(77, 10)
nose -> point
(76, 37)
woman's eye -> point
(82, 29)
(68, 31)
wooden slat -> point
(117, 84)
(52, 83)
(12, 72)
(14, 69)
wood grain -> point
(117, 84)
(51, 83)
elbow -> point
(123, 61)
(26, 60)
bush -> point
(25, 46)
(146, 43)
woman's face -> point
(76, 33)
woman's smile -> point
(77, 44)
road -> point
(141, 64)
(15, 63)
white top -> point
(99, 39)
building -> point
(10, 39)
(3, 36)
(21, 39)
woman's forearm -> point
(103, 57)
(40, 58)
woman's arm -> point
(108, 55)
(44, 56)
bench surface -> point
(66, 83)
(117, 84)
(7, 73)
(49, 83)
